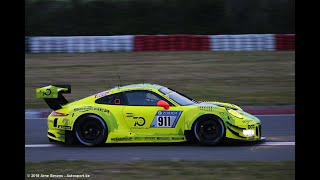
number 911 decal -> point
(166, 119)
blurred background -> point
(123, 17)
(241, 52)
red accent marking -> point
(117, 101)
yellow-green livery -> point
(144, 113)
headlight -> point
(235, 113)
(248, 133)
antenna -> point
(108, 84)
(119, 79)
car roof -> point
(143, 86)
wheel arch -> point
(88, 114)
(208, 115)
(93, 116)
(189, 125)
(190, 134)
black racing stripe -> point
(234, 125)
(235, 133)
(50, 134)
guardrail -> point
(180, 42)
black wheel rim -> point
(208, 130)
(90, 131)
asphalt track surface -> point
(279, 145)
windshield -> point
(180, 98)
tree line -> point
(121, 17)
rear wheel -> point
(209, 130)
(91, 130)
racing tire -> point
(91, 130)
(209, 130)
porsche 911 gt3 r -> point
(144, 113)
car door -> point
(115, 104)
(144, 117)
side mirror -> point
(163, 104)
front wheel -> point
(91, 130)
(209, 130)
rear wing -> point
(52, 95)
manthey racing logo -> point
(47, 92)
(139, 121)
(90, 108)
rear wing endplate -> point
(52, 95)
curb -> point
(254, 110)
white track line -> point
(262, 144)
(39, 145)
(278, 144)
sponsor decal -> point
(166, 119)
(129, 115)
(138, 138)
(177, 138)
(65, 121)
(47, 93)
(149, 138)
(122, 139)
(140, 121)
(154, 138)
(90, 108)
(163, 138)
(247, 121)
(251, 126)
(139, 127)
(207, 108)
(64, 127)
(99, 95)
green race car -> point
(141, 113)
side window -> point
(143, 98)
(113, 99)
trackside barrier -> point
(80, 44)
(180, 42)
(245, 42)
(26, 44)
(171, 43)
(285, 42)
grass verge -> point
(243, 78)
(250, 170)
